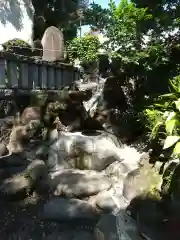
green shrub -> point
(84, 49)
(17, 46)
(165, 114)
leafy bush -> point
(153, 118)
(84, 49)
(165, 114)
(17, 46)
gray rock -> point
(112, 137)
(11, 160)
(3, 149)
(150, 219)
(24, 180)
(140, 181)
(80, 183)
(16, 186)
(37, 170)
(104, 201)
(81, 233)
(117, 170)
(107, 226)
(76, 150)
(59, 235)
(88, 235)
(10, 171)
(145, 159)
(61, 209)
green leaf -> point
(159, 105)
(171, 116)
(170, 95)
(155, 130)
(170, 141)
(175, 88)
(170, 125)
(177, 148)
(177, 103)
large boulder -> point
(30, 113)
(69, 210)
(78, 183)
(141, 181)
(81, 233)
(84, 151)
(117, 171)
(16, 187)
(20, 185)
(104, 201)
(3, 149)
(37, 170)
(12, 160)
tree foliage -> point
(122, 29)
(96, 16)
(12, 12)
(61, 14)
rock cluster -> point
(78, 198)
(91, 179)
(87, 179)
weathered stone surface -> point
(22, 179)
(16, 186)
(43, 187)
(107, 226)
(37, 170)
(88, 235)
(53, 44)
(78, 183)
(3, 149)
(61, 209)
(11, 160)
(117, 170)
(104, 201)
(150, 219)
(10, 171)
(80, 234)
(140, 181)
(19, 137)
(145, 159)
(30, 113)
(83, 152)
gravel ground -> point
(20, 220)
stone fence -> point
(28, 73)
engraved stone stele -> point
(53, 44)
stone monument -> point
(53, 44)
